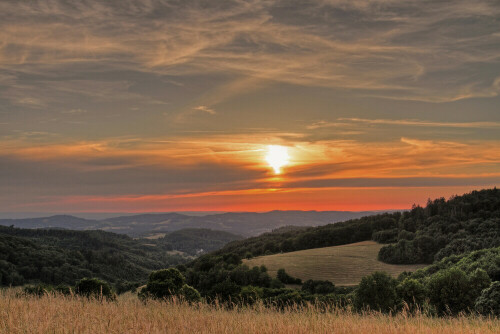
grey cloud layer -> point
(422, 50)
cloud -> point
(74, 111)
(231, 162)
(205, 109)
(153, 79)
(392, 49)
(407, 122)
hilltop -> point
(144, 225)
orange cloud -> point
(229, 172)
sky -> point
(145, 106)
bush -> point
(63, 289)
(163, 284)
(276, 284)
(287, 279)
(318, 287)
(488, 302)
(250, 294)
(38, 290)
(406, 235)
(385, 236)
(94, 288)
(377, 292)
(43, 289)
(287, 297)
(190, 294)
(453, 291)
(411, 292)
(226, 291)
(124, 286)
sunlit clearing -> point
(277, 157)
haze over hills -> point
(241, 223)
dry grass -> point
(57, 314)
(343, 265)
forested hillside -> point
(63, 257)
(443, 228)
(420, 235)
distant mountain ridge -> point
(241, 223)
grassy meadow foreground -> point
(59, 314)
(342, 265)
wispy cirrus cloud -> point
(205, 109)
(409, 122)
(430, 51)
(74, 111)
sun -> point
(277, 157)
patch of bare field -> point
(343, 265)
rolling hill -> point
(63, 257)
(240, 223)
(343, 265)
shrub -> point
(377, 292)
(163, 284)
(287, 279)
(63, 289)
(287, 297)
(453, 291)
(250, 294)
(489, 300)
(385, 236)
(406, 235)
(318, 287)
(124, 286)
(190, 294)
(94, 288)
(411, 292)
(276, 284)
(38, 290)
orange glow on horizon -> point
(330, 199)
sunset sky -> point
(141, 106)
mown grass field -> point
(343, 265)
(59, 314)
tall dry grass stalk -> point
(59, 314)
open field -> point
(343, 265)
(57, 314)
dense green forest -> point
(63, 257)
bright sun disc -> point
(277, 157)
